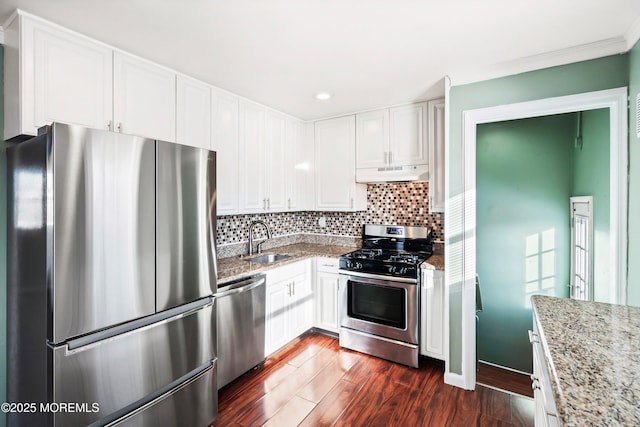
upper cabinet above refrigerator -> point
(186, 216)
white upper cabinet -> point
(144, 98)
(299, 151)
(391, 144)
(408, 138)
(335, 180)
(252, 158)
(436, 155)
(193, 113)
(276, 168)
(372, 139)
(224, 142)
(54, 75)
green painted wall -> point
(591, 178)
(598, 74)
(633, 290)
(526, 172)
(524, 181)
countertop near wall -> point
(593, 356)
(233, 268)
(236, 267)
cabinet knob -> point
(289, 203)
(119, 127)
(386, 157)
(390, 157)
(109, 125)
(352, 203)
(268, 203)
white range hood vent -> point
(393, 173)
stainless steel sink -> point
(268, 258)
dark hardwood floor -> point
(314, 382)
(504, 379)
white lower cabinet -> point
(327, 294)
(546, 413)
(432, 311)
(289, 304)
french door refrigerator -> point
(111, 275)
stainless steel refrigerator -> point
(111, 276)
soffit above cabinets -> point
(368, 54)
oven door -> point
(379, 305)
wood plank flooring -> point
(504, 379)
(314, 382)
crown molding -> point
(570, 55)
(633, 34)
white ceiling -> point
(367, 53)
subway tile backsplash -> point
(387, 203)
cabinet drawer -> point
(328, 265)
(285, 272)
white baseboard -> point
(455, 380)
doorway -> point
(527, 170)
(465, 268)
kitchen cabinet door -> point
(327, 301)
(335, 179)
(276, 165)
(408, 138)
(225, 142)
(252, 158)
(144, 98)
(546, 412)
(299, 166)
(52, 74)
(436, 155)
(372, 139)
(432, 327)
(301, 307)
(326, 294)
(193, 113)
(277, 317)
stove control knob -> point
(358, 265)
(348, 264)
(392, 269)
(403, 270)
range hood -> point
(393, 173)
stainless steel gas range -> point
(379, 292)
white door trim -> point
(616, 101)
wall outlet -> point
(322, 222)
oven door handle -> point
(380, 279)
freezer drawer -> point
(186, 218)
(118, 371)
(194, 403)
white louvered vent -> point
(638, 115)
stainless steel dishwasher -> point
(240, 322)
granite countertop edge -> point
(592, 353)
(233, 268)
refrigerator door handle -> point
(150, 321)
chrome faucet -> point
(251, 227)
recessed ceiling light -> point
(323, 96)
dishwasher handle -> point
(242, 286)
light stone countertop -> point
(434, 262)
(592, 352)
(237, 267)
